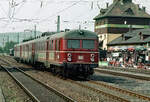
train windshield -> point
(88, 44)
(73, 44)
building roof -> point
(133, 37)
(123, 8)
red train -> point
(68, 53)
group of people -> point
(125, 62)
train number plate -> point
(80, 57)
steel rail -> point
(146, 78)
(104, 93)
(90, 88)
(66, 98)
(131, 93)
(21, 85)
(100, 92)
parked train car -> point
(67, 53)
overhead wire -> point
(74, 3)
(61, 11)
(3, 9)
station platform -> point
(116, 72)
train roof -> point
(81, 34)
(75, 34)
(32, 41)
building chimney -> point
(144, 8)
(141, 36)
(107, 5)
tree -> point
(9, 45)
(1, 50)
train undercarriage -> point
(66, 69)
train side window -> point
(39, 46)
(43, 45)
(52, 44)
(49, 48)
(57, 45)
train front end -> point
(81, 53)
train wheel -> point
(86, 77)
(65, 71)
(53, 70)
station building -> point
(120, 17)
(136, 39)
(133, 47)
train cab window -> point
(73, 44)
(88, 44)
(57, 45)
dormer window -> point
(103, 11)
(129, 11)
(143, 36)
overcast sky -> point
(21, 15)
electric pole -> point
(79, 27)
(35, 31)
(58, 24)
(3, 40)
(8, 38)
(18, 38)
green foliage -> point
(8, 45)
(1, 50)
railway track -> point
(107, 94)
(125, 74)
(95, 90)
(112, 92)
(133, 95)
(132, 70)
(38, 91)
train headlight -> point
(69, 57)
(92, 57)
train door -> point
(33, 52)
(57, 50)
(47, 52)
(20, 51)
(27, 46)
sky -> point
(23, 15)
